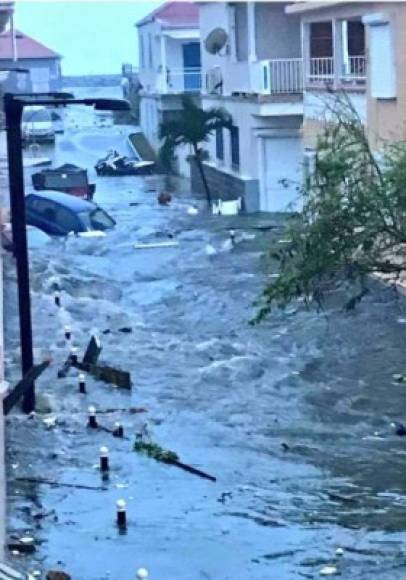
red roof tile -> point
(174, 14)
(27, 47)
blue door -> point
(191, 66)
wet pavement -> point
(292, 416)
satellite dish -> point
(216, 40)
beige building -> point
(358, 48)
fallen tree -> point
(353, 222)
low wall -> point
(227, 186)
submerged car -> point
(68, 178)
(59, 214)
(37, 125)
(116, 164)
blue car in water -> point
(58, 214)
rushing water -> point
(292, 416)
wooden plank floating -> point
(152, 245)
(93, 351)
(106, 374)
(22, 386)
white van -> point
(37, 125)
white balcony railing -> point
(355, 68)
(281, 76)
(321, 69)
(183, 80)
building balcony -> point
(183, 80)
(321, 71)
(275, 77)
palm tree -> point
(194, 127)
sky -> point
(93, 37)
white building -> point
(169, 65)
(256, 75)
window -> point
(66, 219)
(219, 143)
(235, 147)
(321, 39)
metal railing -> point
(285, 75)
(321, 69)
(184, 80)
(355, 68)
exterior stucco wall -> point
(277, 35)
(149, 74)
(387, 117)
(318, 110)
(51, 66)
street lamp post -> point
(13, 109)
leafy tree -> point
(353, 222)
(194, 127)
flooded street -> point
(292, 416)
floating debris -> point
(328, 571)
(152, 245)
(165, 456)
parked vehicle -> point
(58, 214)
(67, 178)
(37, 125)
(116, 164)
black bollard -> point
(68, 332)
(104, 459)
(118, 430)
(92, 421)
(73, 357)
(82, 384)
(121, 514)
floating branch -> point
(170, 457)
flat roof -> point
(307, 6)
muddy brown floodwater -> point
(292, 417)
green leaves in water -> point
(155, 451)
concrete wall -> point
(227, 186)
